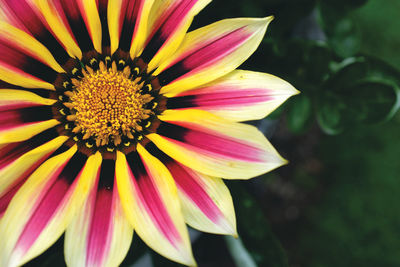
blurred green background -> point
(335, 204)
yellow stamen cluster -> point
(107, 104)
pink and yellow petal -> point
(215, 146)
(169, 22)
(21, 124)
(150, 201)
(23, 114)
(11, 99)
(43, 207)
(25, 15)
(25, 131)
(4, 16)
(23, 206)
(24, 61)
(59, 26)
(239, 96)
(16, 164)
(128, 24)
(12, 75)
(100, 234)
(206, 201)
(90, 14)
(211, 52)
(18, 159)
(102, 6)
(79, 22)
(20, 40)
(141, 28)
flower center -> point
(109, 105)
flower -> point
(114, 120)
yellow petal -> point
(10, 97)
(139, 39)
(25, 132)
(14, 76)
(91, 15)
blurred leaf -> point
(345, 5)
(343, 34)
(253, 229)
(364, 91)
(299, 114)
(276, 114)
(353, 223)
(329, 116)
(378, 19)
(239, 253)
(345, 40)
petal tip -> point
(269, 18)
(188, 260)
(234, 233)
(282, 162)
(230, 228)
(294, 91)
(278, 162)
(265, 21)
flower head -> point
(114, 119)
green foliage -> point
(364, 91)
(254, 230)
(299, 114)
(342, 32)
(356, 222)
(379, 27)
(342, 93)
(340, 87)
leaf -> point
(344, 35)
(364, 91)
(239, 253)
(254, 230)
(299, 114)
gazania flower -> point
(114, 120)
